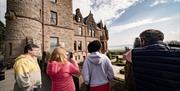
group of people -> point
(97, 69)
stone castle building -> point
(49, 23)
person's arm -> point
(85, 72)
(22, 75)
(110, 70)
(52, 68)
(128, 56)
(74, 68)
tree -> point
(2, 31)
(2, 36)
(174, 43)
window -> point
(54, 1)
(80, 45)
(79, 57)
(40, 13)
(79, 19)
(10, 49)
(75, 57)
(75, 49)
(53, 18)
(90, 32)
(93, 34)
(53, 43)
(80, 32)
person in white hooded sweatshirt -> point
(97, 69)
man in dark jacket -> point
(155, 66)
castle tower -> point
(23, 21)
(47, 23)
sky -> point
(2, 10)
(126, 19)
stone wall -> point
(64, 35)
(63, 30)
(63, 8)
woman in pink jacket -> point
(60, 69)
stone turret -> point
(23, 21)
(78, 16)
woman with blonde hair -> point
(60, 69)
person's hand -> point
(128, 56)
(72, 60)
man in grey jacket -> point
(97, 69)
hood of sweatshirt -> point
(95, 58)
(23, 56)
(20, 57)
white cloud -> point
(177, 0)
(84, 6)
(174, 32)
(103, 9)
(158, 2)
(2, 10)
(120, 28)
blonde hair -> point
(59, 55)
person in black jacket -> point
(149, 38)
(155, 65)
